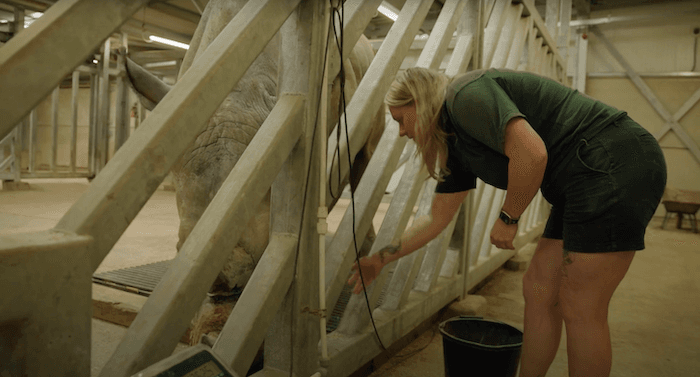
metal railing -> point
(45, 145)
(277, 304)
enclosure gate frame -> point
(95, 222)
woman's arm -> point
(528, 160)
(425, 228)
(422, 230)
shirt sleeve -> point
(482, 110)
(458, 180)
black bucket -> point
(477, 347)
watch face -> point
(506, 219)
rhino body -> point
(206, 163)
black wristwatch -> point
(507, 219)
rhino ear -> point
(149, 88)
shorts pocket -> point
(593, 156)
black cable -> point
(341, 104)
(341, 14)
(303, 208)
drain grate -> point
(143, 280)
(140, 279)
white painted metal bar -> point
(376, 81)
(368, 195)
(357, 15)
(32, 140)
(322, 226)
(466, 47)
(121, 107)
(441, 35)
(492, 32)
(102, 134)
(157, 328)
(17, 154)
(638, 82)
(406, 268)
(461, 56)
(531, 10)
(649, 95)
(481, 228)
(348, 353)
(7, 162)
(679, 114)
(36, 60)
(531, 50)
(581, 23)
(519, 43)
(247, 325)
(564, 21)
(292, 339)
(54, 127)
(537, 55)
(502, 51)
(92, 129)
(426, 267)
(529, 216)
(106, 208)
(466, 251)
(74, 118)
(431, 56)
(490, 218)
(341, 251)
(542, 65)
(683, 110)
(551, 17)
(581, 62)
(51, 315)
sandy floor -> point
(654, 315)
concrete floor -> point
(654, 315)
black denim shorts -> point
(608, 190)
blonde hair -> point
(426, 88)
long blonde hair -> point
(426, 88)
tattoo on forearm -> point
(389, 249)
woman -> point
(602, 172)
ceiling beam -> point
(143, 57)
(27, 4)
(582, 7)
(175, 11)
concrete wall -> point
(659, 45)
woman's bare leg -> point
(587, 286)
(543, 319)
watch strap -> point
(505, 217)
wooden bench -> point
(682, 202)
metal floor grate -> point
(140, 279)
(143, 280)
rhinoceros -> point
(206, 163)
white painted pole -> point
(323, 210)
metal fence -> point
(62, 151)
(277, 304)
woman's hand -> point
(502, 235)
(371, 266)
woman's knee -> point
(538, 289)
(542, 278)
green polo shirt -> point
(479, 105)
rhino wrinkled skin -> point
(206, 163)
